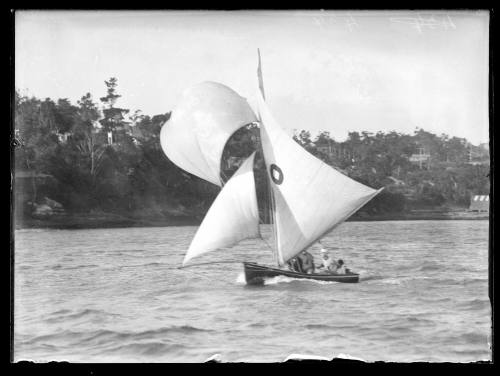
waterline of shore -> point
(105, 220)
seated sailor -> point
(306, 262)
(340, 268)
(293, 265)
(328, 264)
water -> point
(115, 295)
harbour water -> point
(116, 295)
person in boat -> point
(328, 264)
(340, 268)
(306, 262)
(293, 265)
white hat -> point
(323, 250)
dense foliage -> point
(131, 175)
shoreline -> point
(84, 221)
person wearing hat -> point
(328, 264)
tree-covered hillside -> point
(95, 157)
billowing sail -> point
(195, 135)
(233, 216)
(311, 198)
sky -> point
(335, 71)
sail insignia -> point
(276, 174)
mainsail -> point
(206, 117)
(310, 197)
(233, 216)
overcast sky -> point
(323, 70)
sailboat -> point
(308, 197)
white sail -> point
(311, 198)
(233, 216)
(195, 135)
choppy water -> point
(114, 295)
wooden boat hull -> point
(256, 274)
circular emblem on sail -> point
(276, 174)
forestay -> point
(205, 118)
(233, 216)
(311, 198)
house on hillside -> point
(334, 150)
(422, 158)
(480, 203)
(325, 148)
(479, 155)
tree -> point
(35, 126)
(65, 116)
(150, 127)
(303, 138)
(86, 137)
(113, 116)
(110, 99)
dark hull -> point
(255, 274)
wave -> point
(105, 335)
(474, 337)
(284, 279)
(419, 320)
(430, 266)
(403, 280)
(371, 277)
(318, 326)
(392, 281)
(65, 315)
(135, 253)
(145, 348)
(62, 267)
(332, 327)
(475, 304)
(81, 267)
(142, 265)
(87, 311)
(61, 311)
(146, 334)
